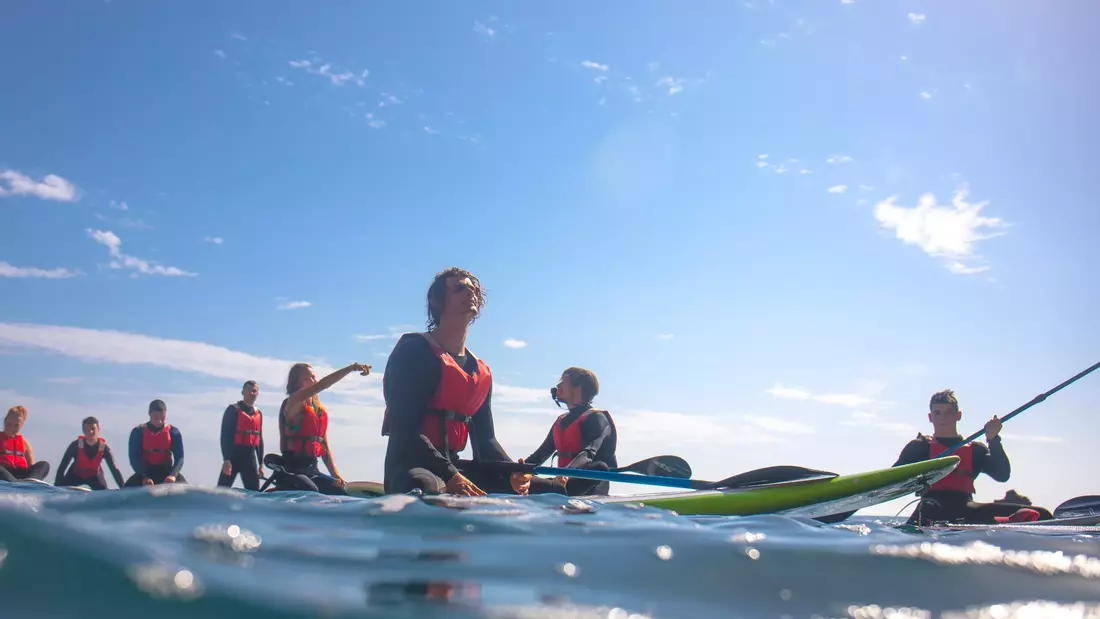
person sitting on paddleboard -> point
(87, 453)
(16, 455)
(583, 437)
(439, 400)
(242, 440)
(951, 498)
(156, 450)
(303, 431)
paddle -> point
(759, 477)
(1079, 506)
(664, 466)
(1036, 400)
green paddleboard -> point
(812, 498)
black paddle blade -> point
(1079, 506)
(661, 466)
(763, 477)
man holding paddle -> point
(951, 498)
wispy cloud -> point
(120, 260)
(51, 187)
(798, 393)
(872, 421)
(514, 343)
(589, 64)
(847, 1)
(838, 159)
(394, 333)
(838, 189)
(293, 305)
(484, 30)
(672, 84)
(120, 206)
(220, 53)
(764, 162)
(947, 232)
(665, 336)
(65, 380)
(216, 240)
(238, 36)
(924, 94)
(9, 270)
(916, 18)
(325, 69)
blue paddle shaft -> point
(626, 478)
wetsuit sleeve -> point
(229, 425)
(70, 455)
(486, 447)
(595, 429)
(135, 452)
(544, 451)
(914, 451)
(260, 447)
(177, 451)
(109, 458)
(992, 460)
(410, 380)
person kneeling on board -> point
(583, 437)
(951, 498)
(156, 450)
(242, 440)
(87, 453)
(16, 455)
(303, 432)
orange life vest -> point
(961, 478)
(156, 447)
(307, 438)
(87, 468)
(248, 428)
(457, 397)
(13, 451)
(567, 440)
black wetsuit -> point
(68, 476)
(301, 472)
(412, 462)
(245, 460)
(956, 506)
(157, 473)
(599, 440)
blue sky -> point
(772, 229)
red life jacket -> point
(308, 437)
(13, 451)
(248, 428)
(567, 441)
(961, 478)
(156, 447)
(87, 468)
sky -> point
(771, 228)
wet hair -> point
(158, 405)
(18, 411)
(88, 420)
(437, 294)
(249, 383)
(946, 396)
(584, 379)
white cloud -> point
(395, 332)
(924, 94)
(51, 187)
(120, 206)
(673, 84)
(373, 122)
(838, 159)
(293, 305)
(9, 270)
(838, 189)
(337, 79)
(870, 420)
(120, 260)
(847, 1)
(916, 18)
(946, 232)
(589, 64)
(666, 336)
(219, 53)
(514, 343)
(839, 399)
(239, 36)
(216, 240)
(482, 29)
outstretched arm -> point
(293, 409)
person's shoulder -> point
(921, 440)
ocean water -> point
(188, 551)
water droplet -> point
(3, 555)
(469, 528)
(785, 595)
(753, 553)
(664, 553)
(184, 579)
(568, 569)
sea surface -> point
(188, 551)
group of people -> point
(438, 399)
